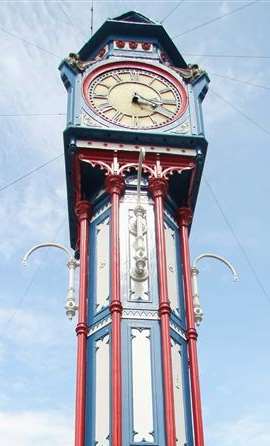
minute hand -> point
(163, 111)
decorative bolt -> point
(120, 43)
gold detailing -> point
(190, 73)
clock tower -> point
(134, 154)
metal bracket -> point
(72, 264)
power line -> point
(215, 19)
(28, 42)
(241, 247)
(239, 80)
(236, 56)
(70, 23)
(31, 172)
(241, 112)
(172, 11)
(13, 115)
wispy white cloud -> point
(45, 428)
(248, 430)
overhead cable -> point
(13, 115)
(239, 243)
(31, 172)
(28, 287)
(235, 56)
(172, 11)
(28, 42)
(215, 19)
(265, 130)
(239, 80)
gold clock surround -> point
(135, 95)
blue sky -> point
(37, 342)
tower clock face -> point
(135, 95)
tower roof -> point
(132, 25)
(133, 16)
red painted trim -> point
(144, 66)
(115, 185)
(83, 212)
(184, 219)
(158, 187)
(107, 156)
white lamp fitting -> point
(71, 307)
(198, 312)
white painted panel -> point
(142, 386)
(102, 427)
(172, 269)
(178, 394)
(103, 264)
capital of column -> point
(115, 184)
(158, 187)
(184, 216)
(83, 210)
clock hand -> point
(152, 102)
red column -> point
(83, 212)
(115, 186)
(158, 188)
(184, 219)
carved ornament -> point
(74, 60)
(190, 73)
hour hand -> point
(139, 98)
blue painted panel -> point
(158, 411)
(91, 384)
(178, 320)
(94, 316)
(186, 386)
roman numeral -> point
(135, 121)
(100, 96)
(104, 85)
(163, 111)
(118, 116)
(116, 77)
(106, 106)
(168, 101)
(165, 90)
(152, 81)
(134, 75)
(153, 121)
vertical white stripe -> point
(178, 394)
(172, 273)
(102, 427)
(142, 386)
(102, 264)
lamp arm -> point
(221, 259)
(46, 245)
(198, 313)
(72, 264)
